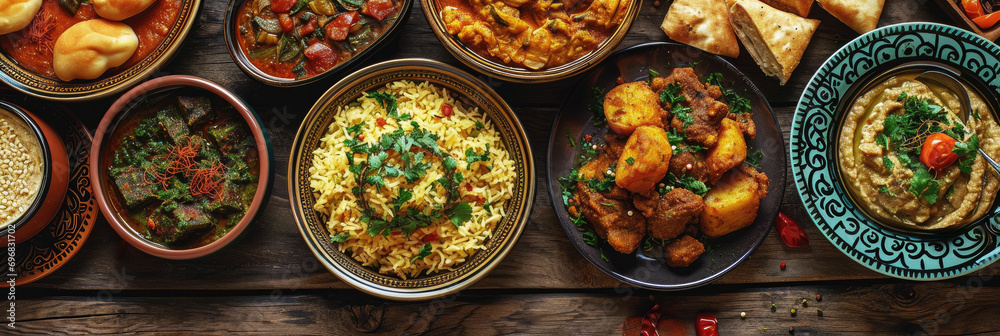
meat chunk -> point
(644, 160)
(197, 110)
(172, 123)
(667, 216)
(683, 252)
(701, 123)
(615, 144)
(133, 187)
(689, 164)
(182, 224)
(610, 218)
(631, 105)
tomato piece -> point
(321, 57)
(446, 110)
(973, 8)
(988, 20)
(338, 28)
(707, 325)
(282, 6)
(430, 237)
(937, 151)
(309, 27)
(380, 122)
(286, 21)
(791, 232)
(378, 9)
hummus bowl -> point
(861, 186)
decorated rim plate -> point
(899, 254)
(63, 237)
(470, 91)
(432, 11)
(115, 80)
(648, 269)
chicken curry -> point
(533, 34)
(673, 167)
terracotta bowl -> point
(55, 175)
(110, 200)
(482, 63)
(393, 29)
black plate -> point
(647, 268)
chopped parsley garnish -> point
(737, 104)
(631, 161)
(424, 252)
(652, 74)
(479, 125)
(888, 163)
(671, 94)
(388, 102)
(569, 135)
(471, 156)
(684, 115)
(689, 183)
(924, 185)
(885, 190)
(753, 159)
(969, 149)
(597, 106)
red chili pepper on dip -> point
(790, 231)
(707, 325)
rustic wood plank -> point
(963, 306)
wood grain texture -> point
(272, 254)
(964, 306)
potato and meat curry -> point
(673, 167)
(533, 34)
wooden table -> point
(269, 282)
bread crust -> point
(797, 7)
(774, 38)
(860, 15)
(703, 24)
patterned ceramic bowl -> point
(492, 67)
(115, 80)
(468, 90)
(815, 125)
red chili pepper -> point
(973, 8)
(380, 122)
(707, 325)
(430, 237)
(790, 231)
(782, 265)
(988, 20)
(650, 320)
(446, 110)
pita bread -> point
(775, 39)
(797, 7)
(860, 15)
(17, 14)
(703, 24)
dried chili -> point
(707, 325)
(790, 231)
(649, 321)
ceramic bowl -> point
(470, 91)
(815, 124)
(240, 57)
(113, 81)
(55, 174)
(132, 102)
(481, 63)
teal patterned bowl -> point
(899, 254)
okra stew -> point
(297, 39)
(184, 168)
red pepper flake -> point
(430, 237)
(361, 137)
(446, 110)
(790, 231)
(819, 298)
(150, 224)
(650, 321)
(380, 122)
(707, 325)
(468, 187)
(782, 265)
(588, 137)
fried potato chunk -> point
(645, 159)
(732, 204)
(631, 105)
(728, 152)
(683, 251)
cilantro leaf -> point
(597, 106)
(671, 94)
(689, 183)
(471, 156)
(885, 190)
(924, 185)
(888, 163)
(753, 158)
(969, 149)
(340, 238)
(460, 214)
(630, 161)
(424, 252)
(356, 128)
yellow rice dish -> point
(410, 181)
